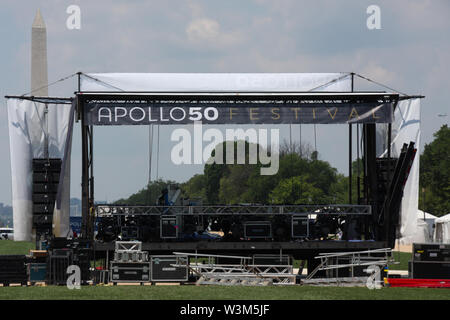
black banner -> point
(135, 113)
(326, 302)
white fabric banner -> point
(216, 82)
(27, 128)
(405, 129)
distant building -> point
(6, 216)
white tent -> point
(425, 224)
(442, 229)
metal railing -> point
(330, 261)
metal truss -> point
(261, 98)
(233, 281)
(237, 274)
(341, 282)
(128, 246)
(328, 209)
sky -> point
(410, 53)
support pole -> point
(46, 154)
(91, 183)
(84, 175)
(350, 151)
(389, 140)
(358, 180)
(371, 173)
(85, 159)
(350, 164)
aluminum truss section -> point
(238, 274)
(128, 246)
(331, 209)
(341, 282)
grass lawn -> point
(403, 258)
(191, 292)
(16, 247)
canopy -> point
(442, 229)
(425, 227)
(216, 82)
(428, 216)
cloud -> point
(208, 32)
(203, 29)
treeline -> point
(301, 179)
(434, 194)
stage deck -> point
(298, 249)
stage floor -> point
(296, 248)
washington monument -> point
(39, 80)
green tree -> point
(315, 173)
(435, 174)
(234, 186)
(195, 187)
(308, 194)
(339, 190)
(216, 172)
(301, 178)
(213, 173)
(148, 195)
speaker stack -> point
(45, 186)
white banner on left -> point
(28, 126)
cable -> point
(157, 153)
(300, 136)
(150, 151)
(380, 84)
(98, 80)
(48, 85)
(315, 138)
(318, 87)
(330, 82)
(290, 138)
